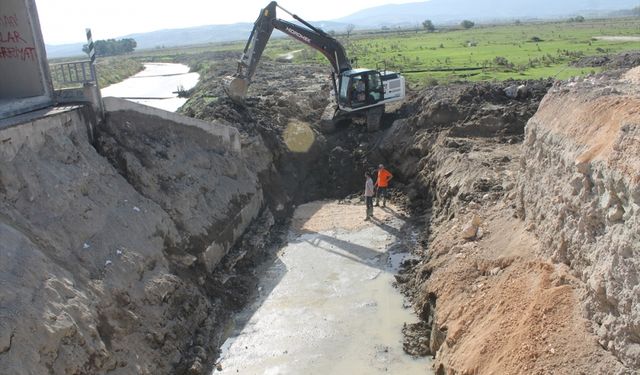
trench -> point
(326, 300)
(326, 303)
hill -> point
(449, 11)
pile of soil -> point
(617, 61)
(448, 126)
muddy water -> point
(326, 304)
(155, 86)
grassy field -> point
(526, 51)
(486, 52)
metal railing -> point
(75, 72)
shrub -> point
(467, 24)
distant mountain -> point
(453, 11)
(64, 50)
(186, 36)
(438, 11)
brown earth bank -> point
(530, 258)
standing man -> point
(382, 183)
(368, 194)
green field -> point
(526, 51)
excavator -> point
(357, 92)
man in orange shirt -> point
(382, 183)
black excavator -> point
(357, 92)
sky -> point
(64, 21)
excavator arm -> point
(237, 85)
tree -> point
(428, 25)
(350, 28)
(112, 47)
(467, 24)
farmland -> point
(523, 51)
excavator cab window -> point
(361, 89)
(376, 90)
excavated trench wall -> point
(580, 188)
(105, 256)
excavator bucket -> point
(236, 87)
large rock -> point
(580, 185)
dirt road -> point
(327, 304)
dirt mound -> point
(476, 110)
(466, 121)
(625, 60)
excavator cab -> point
(359, 88)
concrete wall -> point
(25, 82)
(229, 136)
(32, 132)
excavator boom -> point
(237, 85)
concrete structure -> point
(25, 82)
(32, 130)
(229, 136)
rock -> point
(474, 206)
(522, 92)
(438, 337)
(516, 91)
(615, 214)
(583, 168)
(470, 230)
(511, 91)
(196, 368)
(416, 339)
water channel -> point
(327, 304)
(156, 86)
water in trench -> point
(156, 86)
(326, 304)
